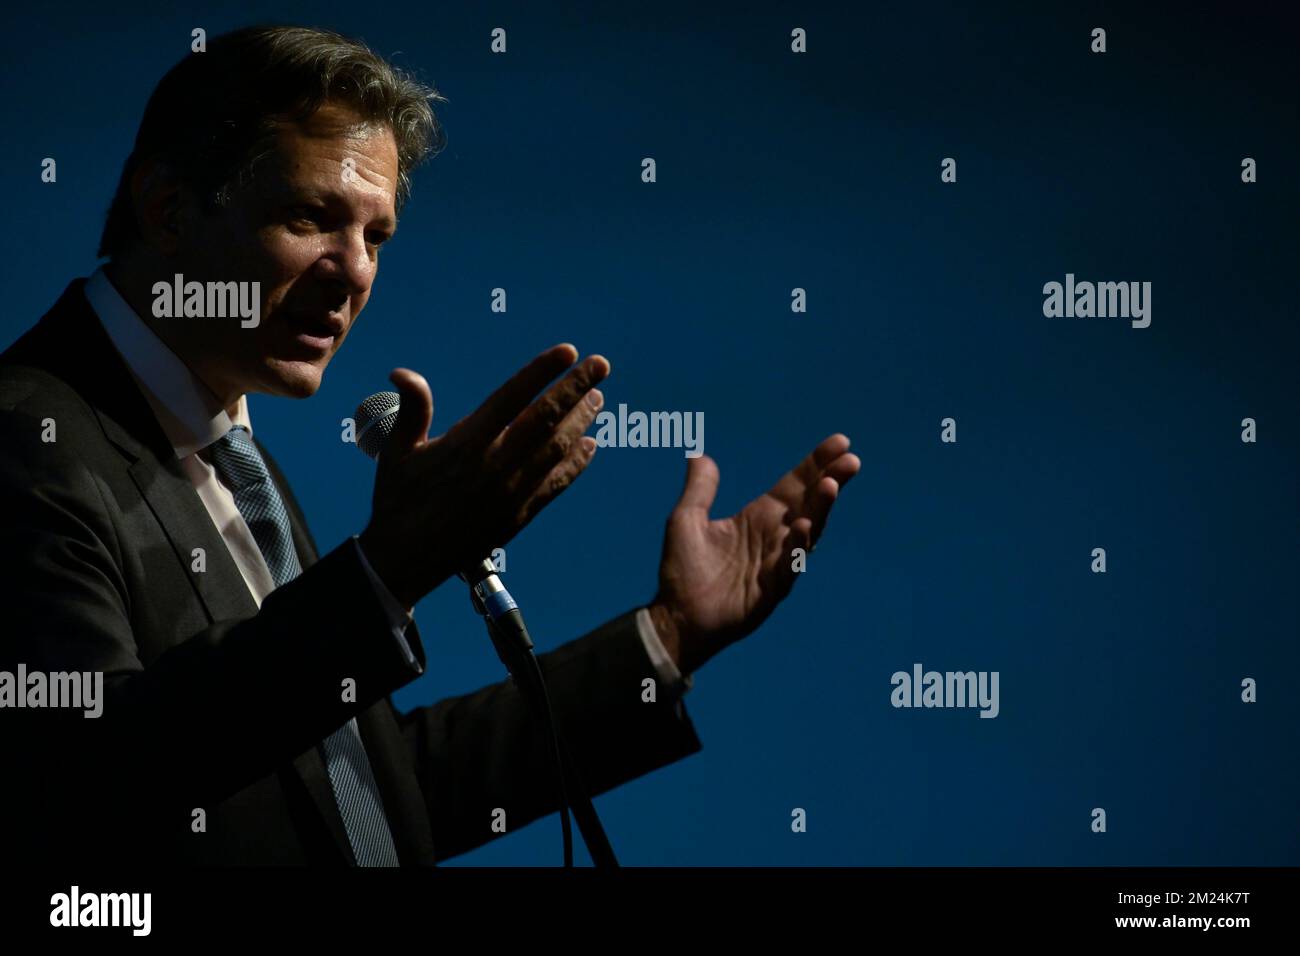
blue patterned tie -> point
(244, 472)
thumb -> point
(416, 412)
(701, 485)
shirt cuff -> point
(669, 676)
(399, 618)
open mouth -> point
(320, 331)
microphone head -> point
(376, 418)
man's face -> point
(309, 230)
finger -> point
(702, 479)
(538, 423)
(821, 497)
(843, 468)
(558, 479)
(790, 488)
(800, 535)
(486, 422)
(560, 443)
(415, 414)
(826, 452)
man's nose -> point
(347, 260)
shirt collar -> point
(190, 414)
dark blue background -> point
(822, 171)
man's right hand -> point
(443, 504)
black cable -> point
(515, 651)
(544, 695)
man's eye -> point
(308, 215)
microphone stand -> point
(509, 636)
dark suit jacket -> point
(213, 704)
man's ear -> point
(159, 200)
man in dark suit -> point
(147, 536)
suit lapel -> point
(102, 377)
(174, 502)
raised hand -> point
(718, 580)
(442, 504)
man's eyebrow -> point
(329, 197)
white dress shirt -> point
(193, 418)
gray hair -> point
(213, 116)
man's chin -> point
(291, 379)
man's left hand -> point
(719, 580)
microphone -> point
(376, 419)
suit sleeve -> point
(484, 751)
(217, 711)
